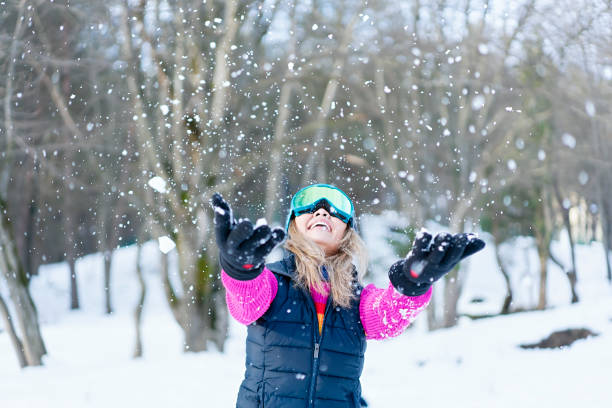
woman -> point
(308, 316)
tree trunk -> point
(276, 155)
(140, 304)
(571, 274)
(8, 325)
(74, 291)
(543, 258)
(561, 266)
(109, 217)
(24, 219)
(33, 241)
(70, 241)
(200, 311)
(607, 250)
(607, 232)
(108, 259)
(452, 292)
(432, 321)
(453, 284)
(222, 68)
(10, 76)
(508, 298)
(25, 311)
(280, 128)
(543, 230)
(316, 157)
(608, 254)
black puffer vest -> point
(289, 364)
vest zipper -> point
(317, 347)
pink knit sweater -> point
(383, 312)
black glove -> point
(428, 261)
(242, 248)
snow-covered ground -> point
(476, 364)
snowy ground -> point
(477, 364)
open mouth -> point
(321, 225)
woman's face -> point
(325, 230)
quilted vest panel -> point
(283, 368)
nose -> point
(321, 212)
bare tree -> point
(443, 123)
(182, 108)
(281, 125)
(10, 328)
(316, 158)
(14, 275)
(140, 304)
(30, 348)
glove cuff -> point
(408, 288)
(239, 273)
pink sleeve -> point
(248, 300)
(386, 312)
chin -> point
(320, 237)
(322, 244)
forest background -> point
(119, 120)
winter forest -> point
(119, 119)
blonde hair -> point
(309, 258)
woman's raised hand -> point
(242, 247)
(429, 260)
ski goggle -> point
(309, 198)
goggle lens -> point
(311, 195)
(332, 211)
